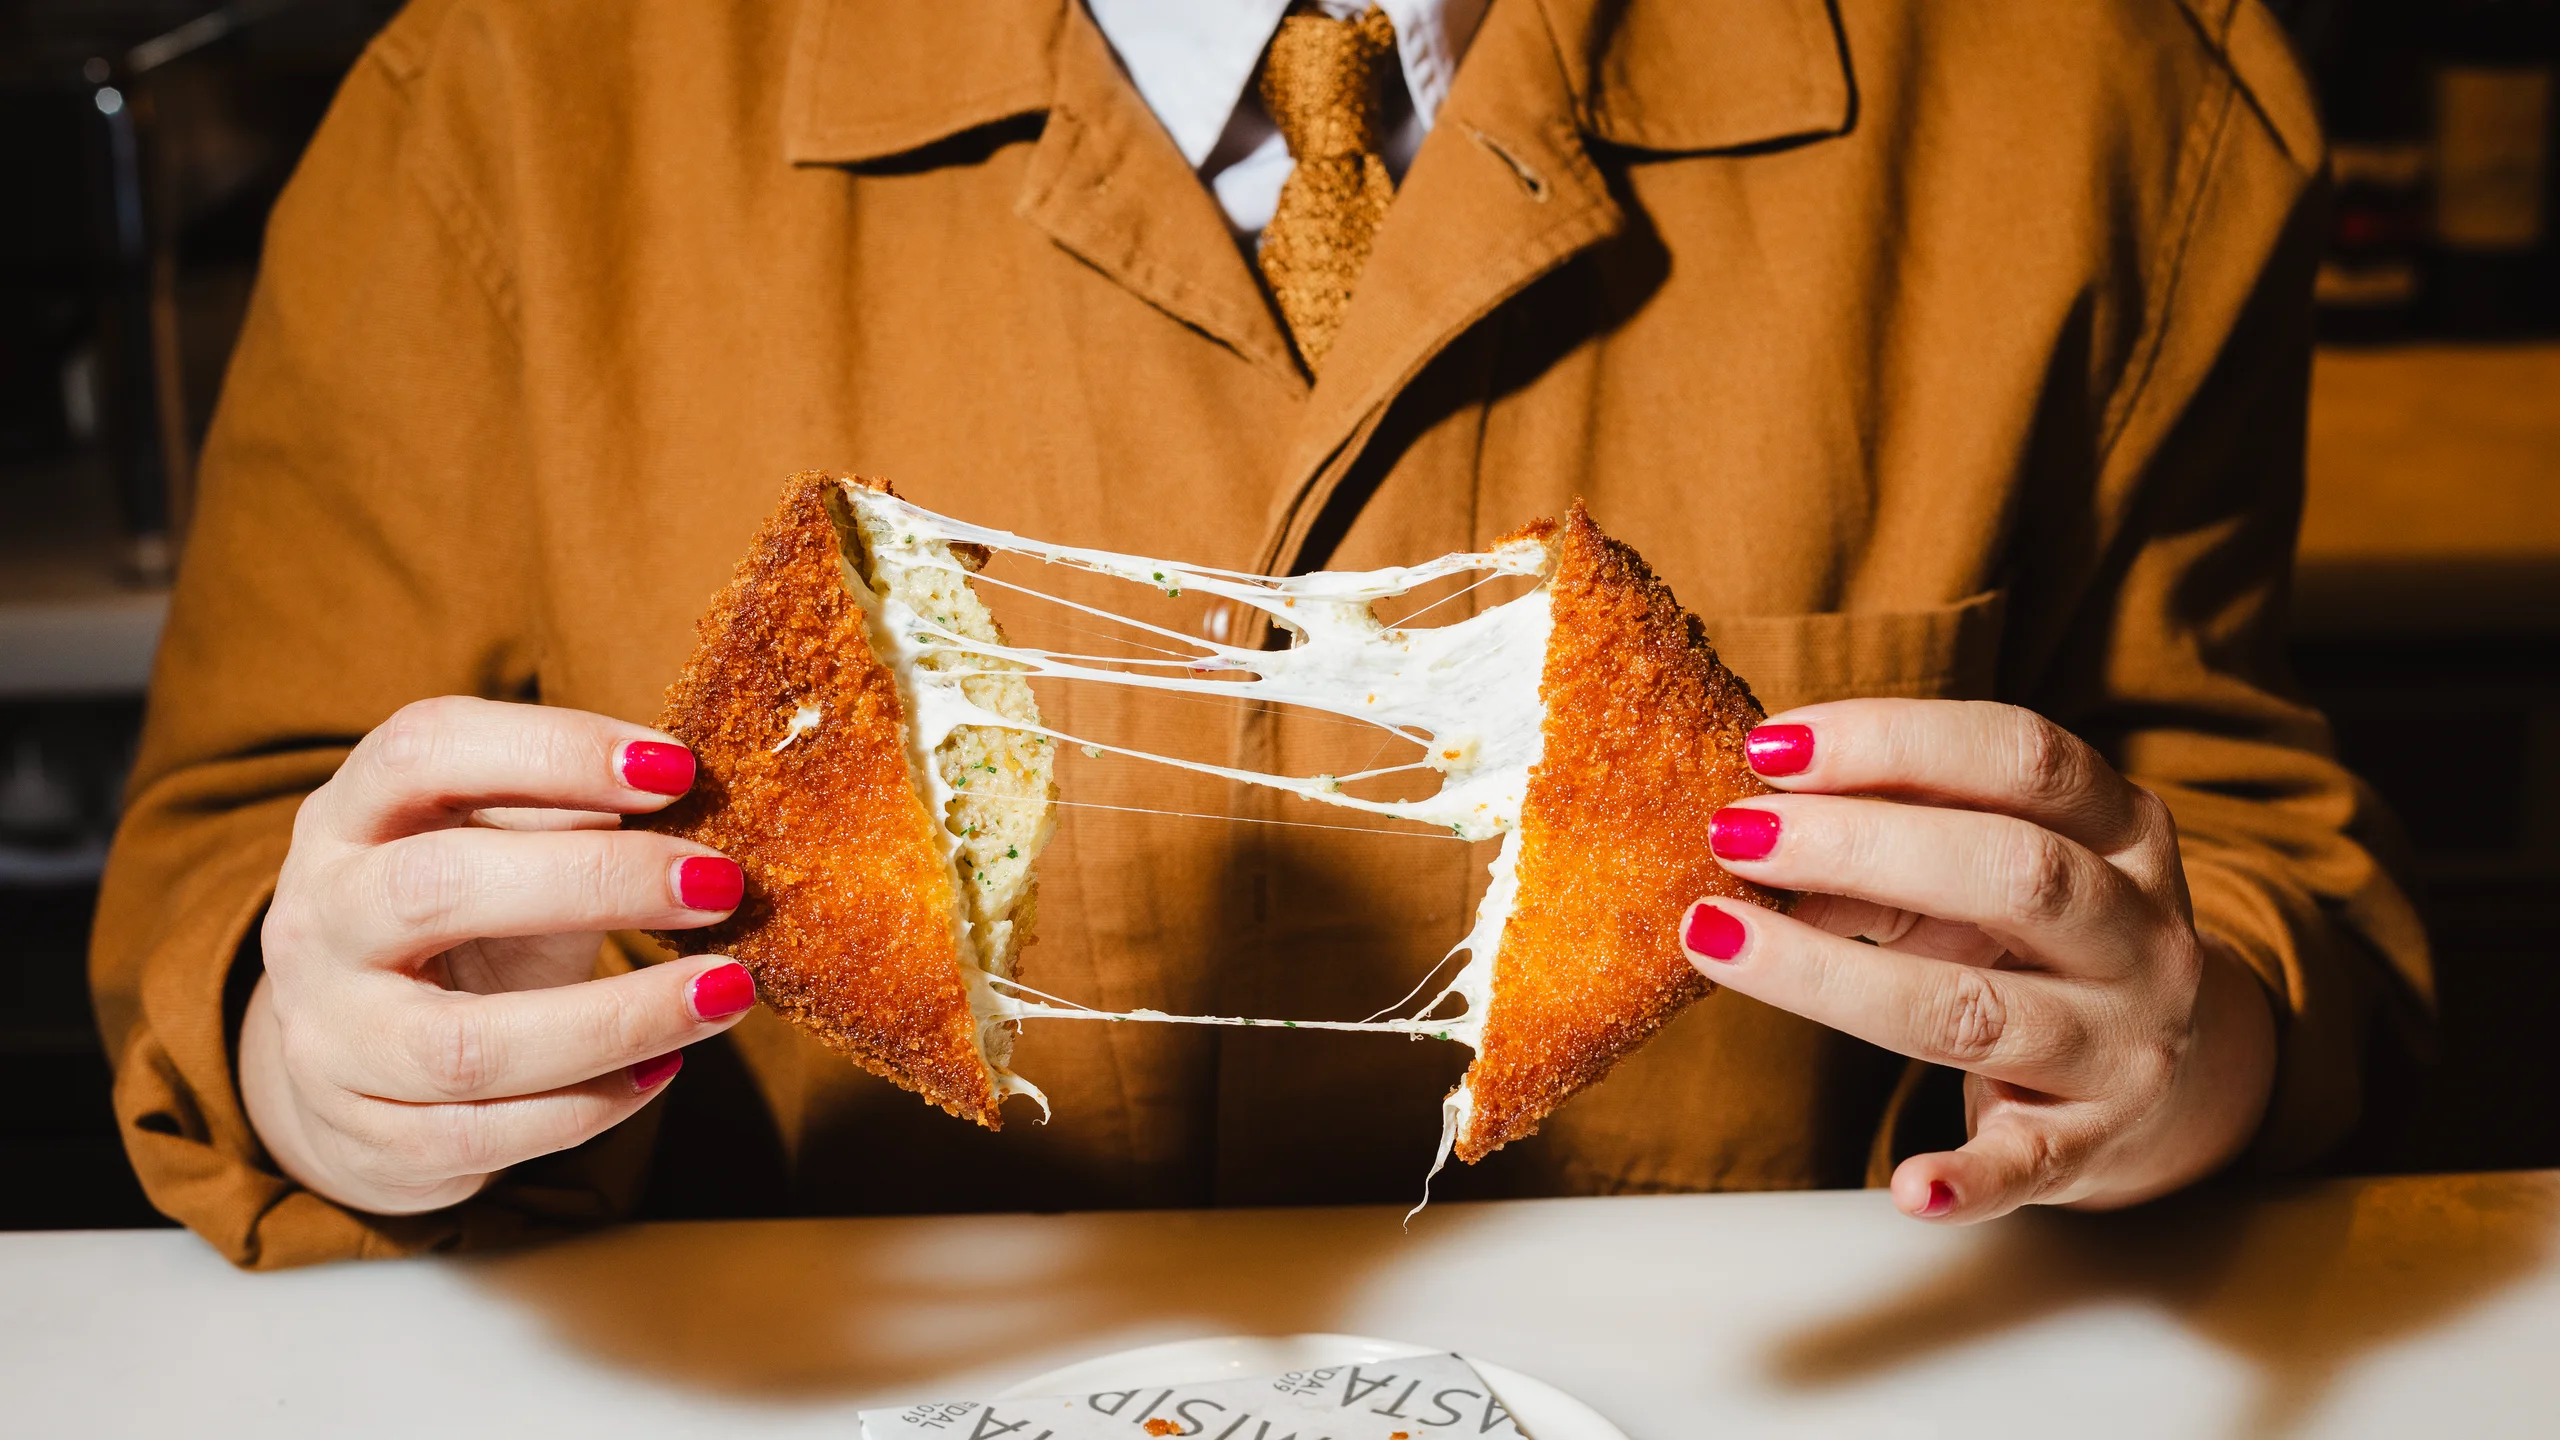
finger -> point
(2040, 893)
(423, 894)
(400, 1148)
(2029, 1030)
(2016, 1158)
(1908, 931)
(437, 761)
(495, 966)
(440, 1046)
(1949, 752)
(525, 817)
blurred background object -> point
(2441, 121)
(141, 144)
(143, 141)
(2427, 613)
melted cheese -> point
(1467, 690)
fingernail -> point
(657, 767)
(721, 993)
(1942, 1198)
(1738, 833)
(1779, 749)
(648, 1075)
(710, 882)
(1712, 933)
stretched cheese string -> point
(1463, 687)
(1026, 1001)
(1238, 819)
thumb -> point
(2015, 1158)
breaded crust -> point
(1643, 742)
(848, 922)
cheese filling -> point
(1467, 691)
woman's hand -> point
(427, 1017)
(2031, 928)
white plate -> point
(1544, 1411)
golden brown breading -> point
(848, 920)
(1643, 743)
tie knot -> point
(1320, 82)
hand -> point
(2031, 928)
(427, 1016)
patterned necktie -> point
(1320, 81)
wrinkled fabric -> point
(1932, 350)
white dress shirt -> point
(1193, 61)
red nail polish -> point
(1942, 1198)
(657, 767)
(1712, 933)
(1738, 833)
(648, 1075)
(1780, 749)
(710, 882)
(721, 993)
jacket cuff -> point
(2323, 987)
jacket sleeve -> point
(2149, 612)
(358, 544)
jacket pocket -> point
(1948, 653)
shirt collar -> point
(866, 82)
(1191, 59)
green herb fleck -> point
(1012, 854)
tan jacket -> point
(1950, 350)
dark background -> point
(142, 142)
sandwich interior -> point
(989, 787)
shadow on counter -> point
(800, 1310)
(2300, 1282)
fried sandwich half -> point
(1642, 732)
(889, 865)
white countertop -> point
(2385, 1308)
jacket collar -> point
(866, 81)
(1506, 179)
(1702, 76)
